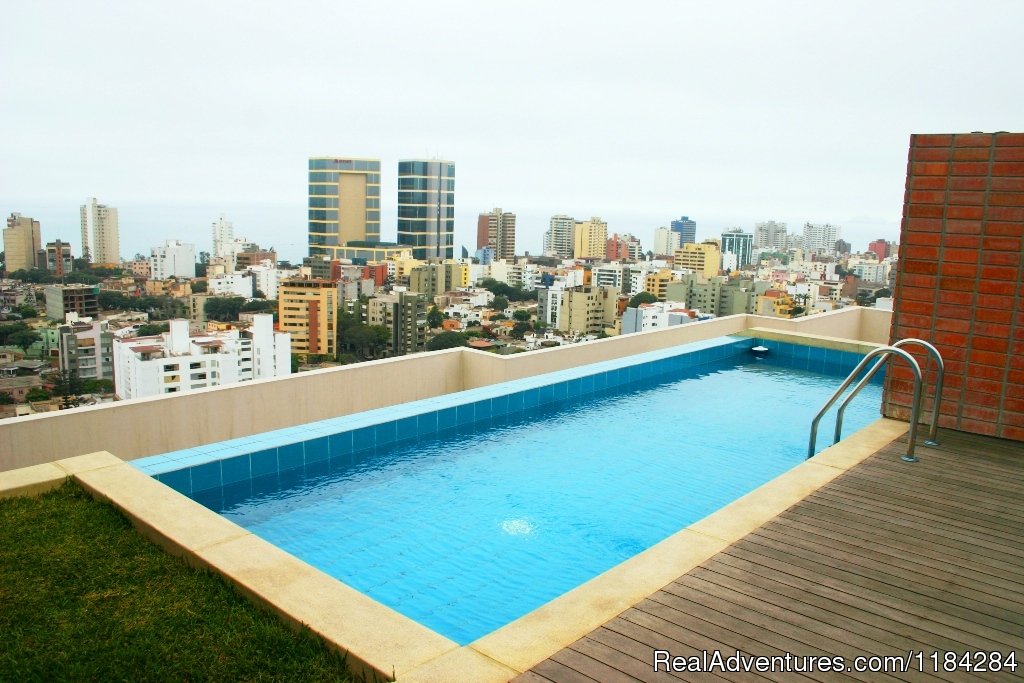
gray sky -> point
(728, 112)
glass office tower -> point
(426, 208)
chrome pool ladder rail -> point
(886, 352)
(940, 373)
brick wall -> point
(960, 279)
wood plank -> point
(918, 545)
(907, 564)
(992, 582)
(560, 673)
(946, 597)
(913, 536)
(939, 610)
(584, 664)
(616, 634)
(652, 617)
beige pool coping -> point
(380, 642)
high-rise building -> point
(590, 238)
(174, 259)
(740, 243)
(880, 248)
(344, 204)
(704, 258)
(820, 237)
(771, 236)
(687, 230)
(307, 310)
(666, 241)
(223, 238)
(22, 243)
(59, 260)
(622, 248)
(559, 236)
(426, 208)
(497, 229)
(404, 314)
(101, 242)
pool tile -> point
(235, 469)
(290, 457)
(516, 402)
(531, 398)
(340, 444)
(465, 414)
(317, 450)
(446, 418)
(499, 406)
(318, 468)
(264, 462)
(206, 476)
(385, 433)
(179, 480)
(426, 423)
(363, 438)
(545, 394)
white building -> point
(655, 316)
(223, 239)
(666, 241)
(558, 240)
(232, 284)
(100, 238)
(820, 237)
(174, 259)
(178, 362)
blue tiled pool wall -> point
(318, 447)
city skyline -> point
(801, 115)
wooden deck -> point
(889, 558)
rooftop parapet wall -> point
(958, 281)
(150, 426)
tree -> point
(67, 383)
(434, 317)
(37, 394)
(520, 329)
(27, 311)
(6, 399)
(500, 303)
(447, 340)
(521, 315)
(224, 308)
(199, 286)
(97, 386)
(150, 330)
(642, 298)
(23, 339)
(499, 316)
(883, 292)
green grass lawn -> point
(84, 597)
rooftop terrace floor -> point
(889, 558)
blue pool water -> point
(465, 529)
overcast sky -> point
(639, 112)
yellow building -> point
(657, 283)
(775, 303)
(456, 275)
(704, 258)
(588, 310)
(307, 310)
(22, 242)
(590, 238)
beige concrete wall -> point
(134, 429)
(479, 372)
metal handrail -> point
(940, 372)
(940, 376)
(886, 352)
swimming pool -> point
(467, 511)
